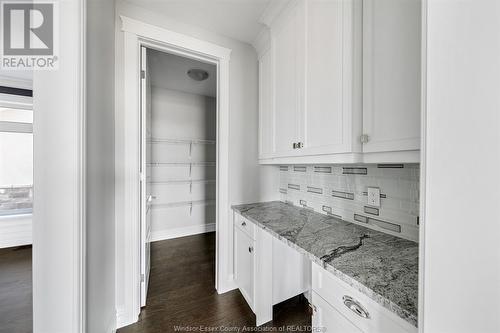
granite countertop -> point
(381, 266)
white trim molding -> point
(59, 181)
(135, 34)
(160, 235)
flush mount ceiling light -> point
(197, 74)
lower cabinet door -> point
(244, 265)
(326, 319)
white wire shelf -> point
(183, 204)
(183, 181)
(165, 164)
(182, 141)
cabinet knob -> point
(300, 144)
(364, 138)
(355, 307)
(294, 145)
(250, 249)
(243, 223)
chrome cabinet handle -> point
(243, 223)
(355, 307)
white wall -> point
(462, 229)
(248, 181)
(101, 313)
(180, 115)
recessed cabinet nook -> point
(339, 82)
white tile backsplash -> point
(399, 188)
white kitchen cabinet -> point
(354, 307)
(344, 82)
(330, 120)
(287, 50)
(244, 265)
(325, 316)
(266, 270)
(391, 74)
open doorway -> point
(16, 202)
(178, 157)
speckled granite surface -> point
(381, 266)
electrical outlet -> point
(374, 196)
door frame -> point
(127, 141)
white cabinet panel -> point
(266, 113)
(329, 111)
(391, 77)
(244, 265)
(291, 272)
(286, 47)
(326, 319)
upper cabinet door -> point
(391, 74)
(332, 115)
(266, 114)
(286, 48)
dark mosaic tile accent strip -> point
(299, 168)
(294, 187)
(283, 167)
(360, 218)
(371, 210)
(323, 169)
(343, 195)
(354, 171)
(385, 225)
(283, 190)
(382, 195)
(390, 166)
(316, 190)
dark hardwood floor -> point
(16, 314)
(181, 293)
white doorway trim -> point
(59, 127)
(127, 141)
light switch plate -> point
(374, 196)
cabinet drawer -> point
(326, 318)
(363, 312)
(244, 225)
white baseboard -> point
(181, 232)
(124, 319)
(112, 325)
(15, 230)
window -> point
(16, 160)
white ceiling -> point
(238, 19)
(170, 72)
